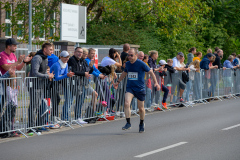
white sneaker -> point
(118, 113)
(81, 121)
(122, 115)
(153, 104)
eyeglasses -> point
(130, 55)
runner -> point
(135, 69)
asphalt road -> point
(204, 132)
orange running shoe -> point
(158, 109)
(164, 105)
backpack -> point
(185, 77)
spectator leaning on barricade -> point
(190, 56)
(194, 76)
(207, 65)
(227, 74)
(60, 71)
(97, 74)
(108, 66)
(82, 71)
(8, 59)
(198, 56)
(162, 73)
(153, 65)
(219, 55)
(39, 66)
(178, 81)
(168, 79)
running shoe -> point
(56, 126)
(158, 109)
(180, 100)
(81, 121)
(164, 105)
(127, 126)
(141, 128)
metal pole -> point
(30, 27)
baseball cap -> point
(209, 55)
(64, 54)
(181, 54)
(162, 62)
(11, 41)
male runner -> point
(135, 69)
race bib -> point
(133, 76)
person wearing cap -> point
(60, 70)
(179, 67)
(162, 64)
(8, 58)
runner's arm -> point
(123, 75)
(154, 80)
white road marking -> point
(225, 129)
(160, 150)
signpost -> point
(73, 23)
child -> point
(12, 103)
(171, 70)
(194, 75)
(162, 64)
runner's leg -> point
(128, 99)
(141, 109)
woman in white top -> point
(111, 59)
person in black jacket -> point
(168, 79)
(79, 66)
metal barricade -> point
(225, 83)
(11, 107)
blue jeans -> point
(67, 104)
(189, 86)
(165, 90)
(80, 97)
(148, 97)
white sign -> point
(73, 23)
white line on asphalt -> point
(225, 129)
(161, 149)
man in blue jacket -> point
(204, 64)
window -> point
(52, 28)
(41, 28)
(8, 32)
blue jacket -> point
(204, 64)
(52, 59)
(95, 72)
(58, 71)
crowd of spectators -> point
(48, 72)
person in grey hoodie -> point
(38, 69)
